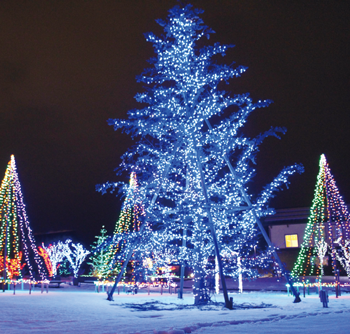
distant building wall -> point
(278, 235)
(55, 236)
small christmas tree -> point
(64, 268)
(128, 223)
(327, 227)
(100, 258)
(16, 236)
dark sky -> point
(67, 66)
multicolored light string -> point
(328, 223)
(43, 253)
(15, 230)
(129, 222)
(56, 254)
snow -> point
(73, 309)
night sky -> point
(68, 66)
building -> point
(286, 231)
(286, 227)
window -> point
(291, 240)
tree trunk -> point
(200, 288)
(200, 291)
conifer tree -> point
(100, 258)
(192, 159)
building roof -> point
(293, 215)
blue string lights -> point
(194, 207)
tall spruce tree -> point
(192, 159)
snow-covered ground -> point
(81, 310)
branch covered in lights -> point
(75, 254)
(343, 255)
(321, 248)
(43, 253)
(56, 254)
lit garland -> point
(129, 286)
(12, 215)
(24, 280)
(184, 142)
(308, 284)
(328, 223)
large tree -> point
(192, 159)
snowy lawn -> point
(81, 310)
